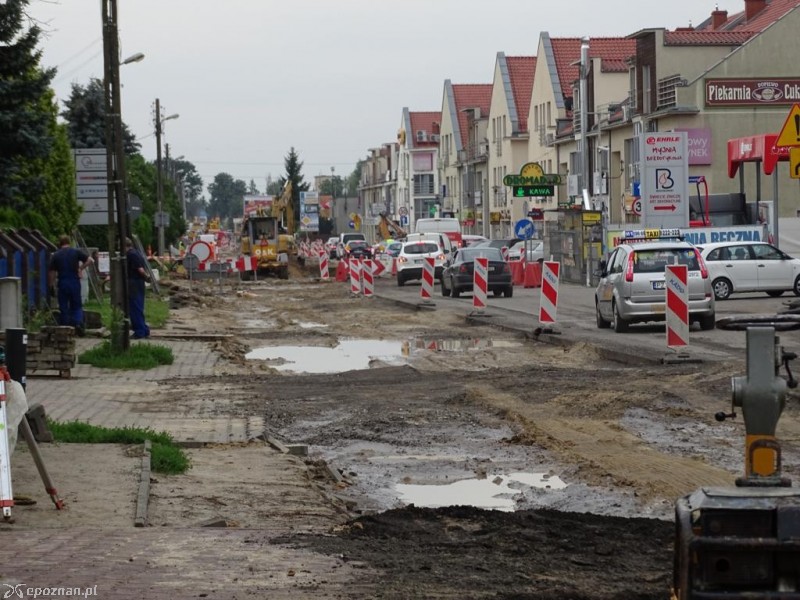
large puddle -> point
(352, 354)
(491, 493)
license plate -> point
(417, 261)
(491, 269)
(659, 285)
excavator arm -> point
(282, 207)
(389, 228)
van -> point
(447, 225)
(344, 238)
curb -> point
(144, 488)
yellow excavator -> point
(267, 235)
(389, 229)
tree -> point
(227, 196)
(293, 173)
(252, 189)
(26, 122)
(85, 113)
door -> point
(605, 288)
(775, 271)
(736, 264)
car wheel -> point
(796, 288)
(401, 281)
(775, 293)
(509, 292)
(620, 325)
(708, 322)
(445, 289)
(454, 291)
(722, 288)
(601, 322)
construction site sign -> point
(309, 212)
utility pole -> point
(159, 183)
(115, 172)
(584, 147)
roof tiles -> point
(429, 122)
(521, 70)
(612, 52)
(471, 95)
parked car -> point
(412, 256)
(632, 286)
(458, 273)
(357, 249)
(330, 246)
(343, 239)
(470, 239)
(750, 267)
(499, 244)
(393, 249)
(535, 251)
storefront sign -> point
(752, 92)
(665, 179)
(699, 142)
(532, 174)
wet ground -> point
(452, 460)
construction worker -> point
(67, 264)
(137, 277)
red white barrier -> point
(378, 268)
(677, 284)
(480, 278)
(324, 269)
(355, 276)
(428, 271)
(504, 252)
(548, 300)
(367, 281)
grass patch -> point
(156, 310)
(138, 356)
(165, 455)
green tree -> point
(26, 123)
(227, 196)
(252, 189)
(294, 174)
(85, 113)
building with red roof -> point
(417, 175)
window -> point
(423, 184)
(767, 252)
(655, 261)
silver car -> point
(632, 285)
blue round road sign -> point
(524, 229)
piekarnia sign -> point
(752, 92)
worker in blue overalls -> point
(67, 264)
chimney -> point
(753, 7)
(718, 18)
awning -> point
(755, 148)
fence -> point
(25, 253)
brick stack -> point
(50, 349)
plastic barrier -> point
(677, 284)
(355, 277)
(480, 278)
(367, 282)
(324, 270)
(532, 275)
(342, 271)
(428, 271)
(548, 300)
(517, 272)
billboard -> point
(309, 212)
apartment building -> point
(417, 176)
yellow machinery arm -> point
(389, 228)
(282, 205)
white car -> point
(412, 257)
(330, 246)
(535, 250)
(750, 267)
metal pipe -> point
(584, 149)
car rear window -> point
(655, 261)
(469, 254)
(421, 248)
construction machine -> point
(744, 541)
(267, 235)
(389, 229)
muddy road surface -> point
(464, 461)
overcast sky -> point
(252, 78)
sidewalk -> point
(143, 398)
(165, 562)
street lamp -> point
(159, 185)
(115, 173)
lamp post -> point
(115, 173)
(159, 184)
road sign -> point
(794, 162)
(524, 229)
(524, 191)
(790, 133)
(636, 207)
(665, 179)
